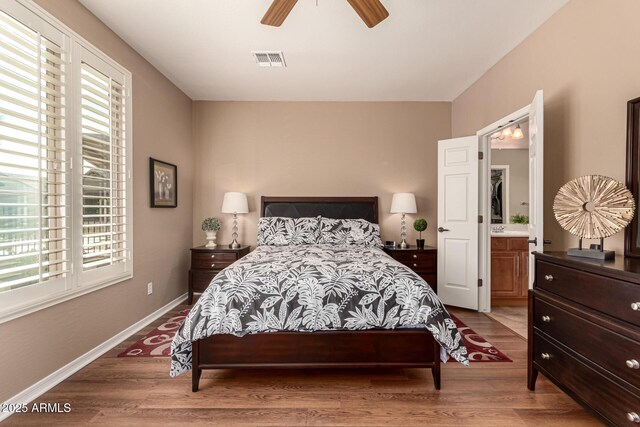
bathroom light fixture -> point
(403, 203)
(517, 133)
(506, 132)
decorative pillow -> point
(364, 233)
(334, 231)
(280, 231)
(349, 232)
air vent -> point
(269, 59)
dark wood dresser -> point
(584, 332)
(422, 261)
(207, 262)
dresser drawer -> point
(418, 261)
(431, 279)
(206, 259)
(200, 279)
(603, 347)
(610, 400)
(610, 296)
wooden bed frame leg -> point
(196, 371)
(195, 379)
(435, 371)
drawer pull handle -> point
(633, 364)
(545, 356)
(415, 256)
(213, 265)
(635, 306)
(546, 319)
(633, 417)
(415, 265)
(548, 278)
(213, 255)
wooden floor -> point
(513, 317)
(138, 391)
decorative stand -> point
(594, 251)
(234, 244)
(403, 233)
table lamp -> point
(403, 203)
(235, 203)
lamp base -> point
(403, 244)
(234, 244)
(591, 253)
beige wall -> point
(518, 180)
(585, 58)
(316, 149)
(35, 345)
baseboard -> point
(36, 390)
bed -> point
(358, 323)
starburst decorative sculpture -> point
(593, 207)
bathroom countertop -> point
(510, 234)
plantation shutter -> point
(34, 173)
(104, 171)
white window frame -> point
(22, 301)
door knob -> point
(441, 230)
(535, 241)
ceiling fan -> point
(372, 12)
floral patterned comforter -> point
(314, 288)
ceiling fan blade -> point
(372, 12)
(278, 12)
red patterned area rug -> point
(480, 350)
(158, 342)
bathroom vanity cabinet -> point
(509, 270)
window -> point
(64, 230)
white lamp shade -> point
(403, 203)
(234, 202)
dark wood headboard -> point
(329, 207)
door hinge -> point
(480, 219)
(479, 283)
(480, 155)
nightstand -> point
(423, 261)
(207, 262)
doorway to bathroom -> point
(465, 209)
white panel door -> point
(536, 180)
(458, 222)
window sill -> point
(16, 312)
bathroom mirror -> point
(499, 194)
(632, 234)
(509, 185)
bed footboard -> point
(398, 348)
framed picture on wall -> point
(163, 180)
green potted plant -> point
(519, 219)
(420, 225)
(211, 226)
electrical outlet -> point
(149, 288)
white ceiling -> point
(427, 50)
